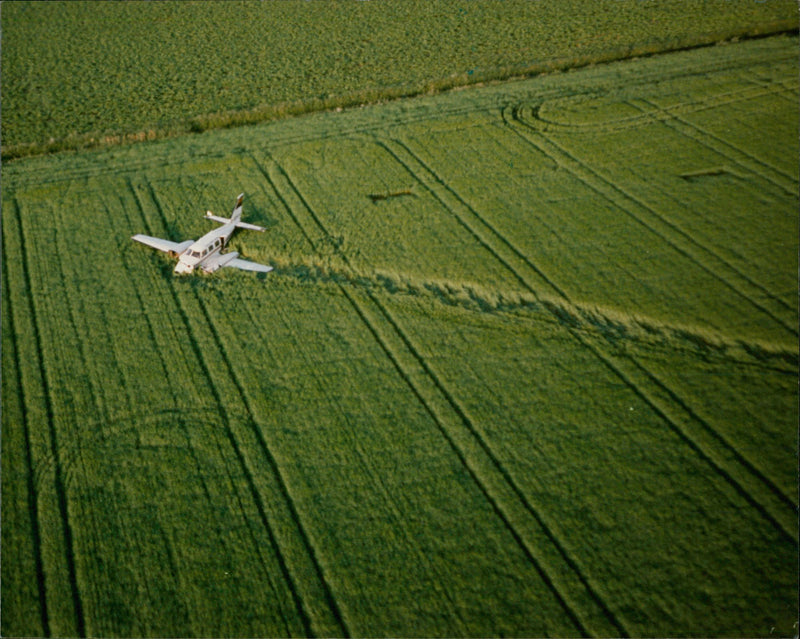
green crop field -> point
(527, 365)
(79, 74)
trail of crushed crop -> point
(612, 324)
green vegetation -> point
(79, 74)
(527, 365)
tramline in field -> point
(206, 253)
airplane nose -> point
(182, 268)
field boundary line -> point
(669, 232)
(52, 437)
(33, 501)
(478, 450)
(199, 123)
(301, 607)
(45, 176)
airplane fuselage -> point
(204, 248)
(206, 253)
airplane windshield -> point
(196, 254)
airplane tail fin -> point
(237, 209)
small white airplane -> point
(206, 253)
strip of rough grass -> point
(81, 74)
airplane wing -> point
(163, 245)
(248, 266)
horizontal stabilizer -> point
(239, 225)
(251, 227)
(217, 218)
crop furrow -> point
(78, 323)
(398, 518)
(180, 414)
(460, 210)
(779, 89)
(223, 413)
(330, 599)
(32, 496)
(669, 232)
(287, 624)
(694, 445)
(246, 472)
(478, 459)
(579, 167)
(507, 477)
(739, 461)
(671, 117)
(650, 115)
(60, 463)
(676, 120)
(701, 450)
(79, 320)
(726, 448)
(227, 420)
(58, 471)
(281, 483)
(279, 193)
(476, 470)
(314, 219)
